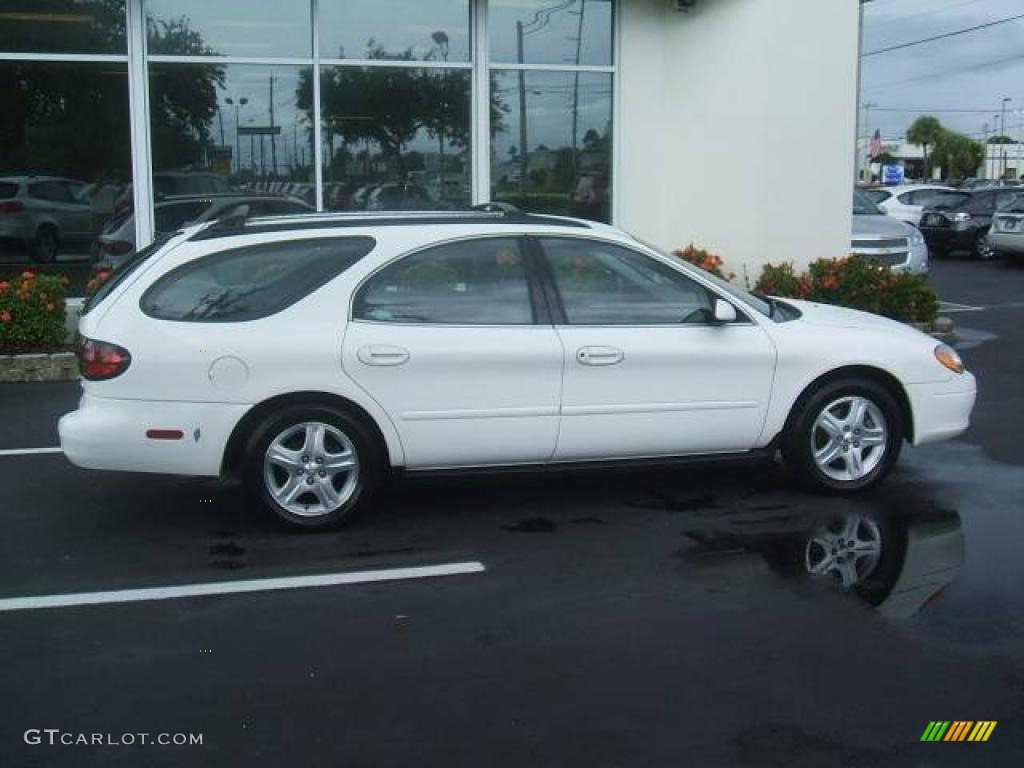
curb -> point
(56, 366)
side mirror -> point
(724, 312)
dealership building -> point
(727, 123)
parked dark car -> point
(959, 221)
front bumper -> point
(942, 409)
(1007, 242)
(106, 433)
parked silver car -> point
(1006, 236)
(885, 240)
(117, 241)
(42, 213)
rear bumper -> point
(942, 410)
(105, 433)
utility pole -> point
(1002, 132)
(523, 154)
(576, 96)
(867, 137)
(236, 103)
(273, 139)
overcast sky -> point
(971, 73)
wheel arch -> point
(878, 375)
(234, 450)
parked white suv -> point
(312, 354)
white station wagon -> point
(310, 355)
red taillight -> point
(12, 206)
(98, 360)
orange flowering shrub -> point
(709, 262)
(857, 283)
(32, 312)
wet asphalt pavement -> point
(646, 618)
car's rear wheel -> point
(44, 247)
(845, 437)
(313, 467)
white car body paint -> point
(475, 396)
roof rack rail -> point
(238, 220)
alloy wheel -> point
(849, 438)
(848, 550)
(311, 469)
(984, 248)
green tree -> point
(957, 154)
(926, 130)
(1002, 140)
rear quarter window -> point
(252, 282)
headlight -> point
(948, 357)
(916, 238)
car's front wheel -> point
(313, 467)
(983, 248)
(845, 437)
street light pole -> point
(523, 158)
(237, 103)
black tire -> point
(983, 249)
(44, 247)
(370, 464)
(797, 443)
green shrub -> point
(857, 283)
(32, 312)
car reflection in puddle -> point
(897, 562)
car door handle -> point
(382, 354)
(599, 356)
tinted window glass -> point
(62, 26)
(550, 31)
(603, 284)
(877, 195)
(50, 190)
(250, 283)
(170, 217)
(983, 202)
(229, 27)
(473, 282)
(129, 265)
(428, 30)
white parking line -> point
(234, 587)
(28, 451)
(952, 306)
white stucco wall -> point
(736, 127)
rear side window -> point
(8, 190)
(132, 263)
(468, 282)
(250, 283)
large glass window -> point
(551, 31)
(252, 28)
(603, 284)
(425, 30)
(62, 26)
(394, 138)
(230, 127)
(250, 283)
(472, 282)
(551, 151)
(64, 153)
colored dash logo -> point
(958, 730)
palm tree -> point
(925, 131)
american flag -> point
(876, 144)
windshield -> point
(1014, 205)
(863, 205)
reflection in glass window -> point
(472, 282)
(230, 127)
(63, 26)
(394, 139)
(603, 284)
(229, 28)
(64, 152)
(551, 31)
(425, 30)
(250, 283)
(559, 160)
